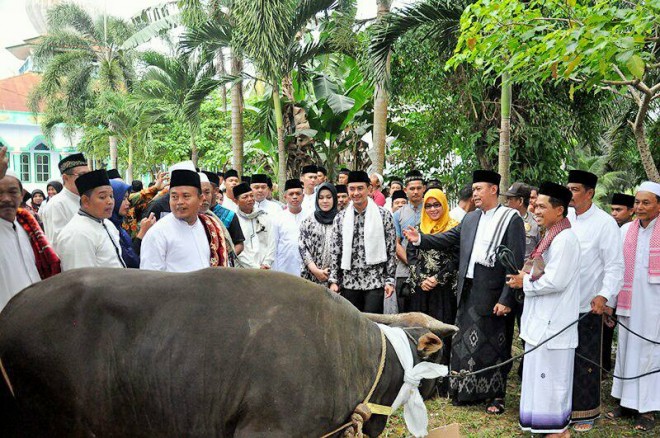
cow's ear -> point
(428, 344)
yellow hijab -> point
(444, 223)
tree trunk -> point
(237, 115)
(221, 70)
(129, 168)
(380, 106)
(193, 147)
(504, 157)
(112, 140)
(640, 138)
(281, 149)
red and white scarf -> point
(624, 300)
(535, 262)
(217, 244)
(47, 261)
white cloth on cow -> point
(414, 409)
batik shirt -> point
(362, 276)
(138, 203)
(314, 244)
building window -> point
(24, 167)
(43, 167)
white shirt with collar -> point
(87, 242)
(172, 245)
(259, 244)
(18, 267)
(59, 211)
(270, 207)
(229, 204)
(309, 203)
(286, 230)
(481, 239)
(457, 213)
(601, 260)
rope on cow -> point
(6, 377)
(362, 412)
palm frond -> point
(71, 15)
(307, 10)
(212, 34)
(151, 31)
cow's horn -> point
(414, 319)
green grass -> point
(475, 422)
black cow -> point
(218, 352)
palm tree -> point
(178, 85)
(79, 54)
(268, 32)
(380, 103)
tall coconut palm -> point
(380, 103)
(178, 85)
(79, 54)
(268, 32)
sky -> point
(16, 27)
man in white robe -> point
(17, 262)
(178, 242)
(308, 177)
(259, 245)
(286, 230)
(64, 206)
(552, 299)
(601, 272)
(90, 239)
(638, 308)
(231, 181)
(261, 190)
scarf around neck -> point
(624, 300)
(326, 217)
(444, 222)
(47, 261)
(374, 236)
(535, 262)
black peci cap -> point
(623, 199)
(92, 180)
(182, 177)
(585, 178)
(487, 176)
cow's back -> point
(134, 353)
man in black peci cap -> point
(308, 177)
(601, 274)
(90, 239)
(622, 208)
(286, 230)
(342, 196)
(484, 300)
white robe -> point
(172, 245)
(18, 268)
(85, 243)
(286, 230)
(270, 207)
(259, 244)
(229, 204)
(635, 356)
(309, 204)
(58, 212)
(601, 264)
(551, 303)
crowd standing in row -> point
(404, 252)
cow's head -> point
(422, 329)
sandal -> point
(645, 422)
(583, 426)
(498, 404)
(620, 412)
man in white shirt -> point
(286, 230)
(601, 273)
(308, 178)
(259, 246)
(231, 181)
(260, 190)
(552, 296)
(185, 240)
(638, 307)
(64, 206)
(90, 239)
(465, 204)
(18, 267)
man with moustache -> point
(90, 239)
(342, 196)
(286, 230)
(260, 190)
(601, 274)
(227, 218)
(185, 240)
(484, 300)
(259, 249)
(63, 207)
(362, 249)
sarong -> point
(545, 399)
(480, 343)
(586, 381)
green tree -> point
(599, 45)
(78, 56)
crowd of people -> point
(388, 248)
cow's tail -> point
(8, 405)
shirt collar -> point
(490, 212)
(587, 214)
(650, 225)
(69, 194)
(13, 225)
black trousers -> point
(370, 300)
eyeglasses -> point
(430, 206)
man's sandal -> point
(498, 404)
(620, 412)
(583, 425)
(645, 422)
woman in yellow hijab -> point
(433, 272)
